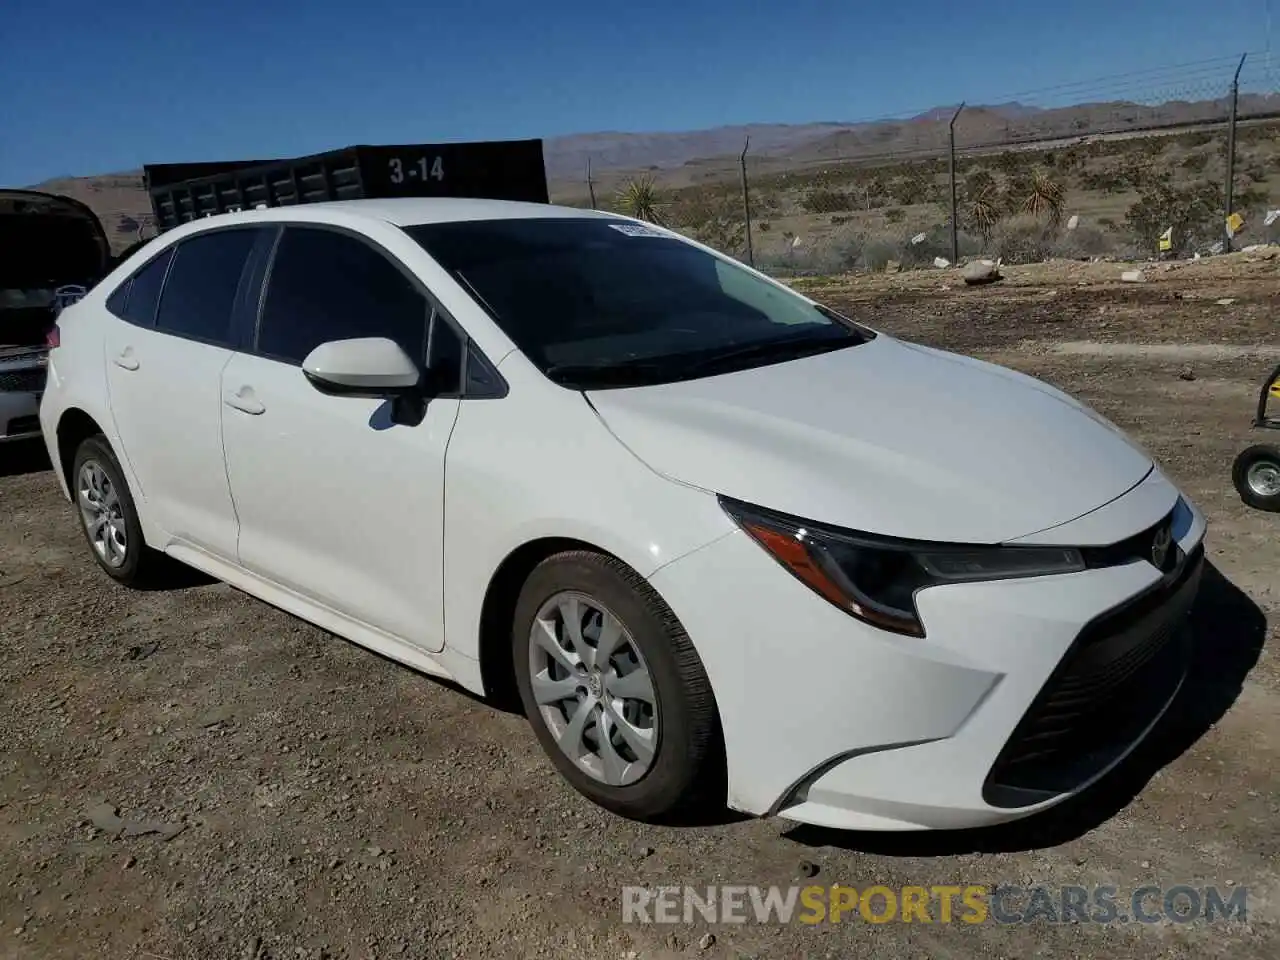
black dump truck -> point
(53, 249)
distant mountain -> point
(566, 157)
(707, 155)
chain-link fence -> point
(1133, 166)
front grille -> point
(1114, 681)
(23, 381)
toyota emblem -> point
(1160, 547)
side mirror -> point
(372, 367)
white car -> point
(724, 542)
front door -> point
(335, 501)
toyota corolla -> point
(723, 540)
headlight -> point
(875, 578)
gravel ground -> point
(188, 773)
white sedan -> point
(725, 543)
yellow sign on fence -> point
(1234, 223)
(1166, 240)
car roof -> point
(405, 211)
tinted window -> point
(444, 357)
(326, 286)
(601, 302)
(119, 298)
(201, 290)
(144, 291)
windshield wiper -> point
(787, 348)
(628, 372)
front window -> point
(610, 303)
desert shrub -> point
(765, 203)
(714, 219)
(1081, 243)
(936, 243)
(978, 184)
(1070, 159)
(1196, 162)
(1194, 212)
(895, 215)
(1198, 139)
(1022, 239)
(1249, 197)
(763, 226)
(914, 188)
(1011, 162)
(824, 200)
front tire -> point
(108, 516)
(1256, 475)
(614, 690)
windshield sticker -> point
(639, 230)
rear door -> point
(165, 353)
(335, 501)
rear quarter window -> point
(135, 299)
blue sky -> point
(91, 87)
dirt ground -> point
(333, 804)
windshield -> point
(596, 302)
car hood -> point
(887, 437)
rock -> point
(643, 852)
(941, 262)
(808, 868)
(1187, 374)
(1133, 276)
(375, 851)
(893, 266)
(707, 942)
(106, 817)
(981, 271)
(1225, 301)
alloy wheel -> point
(593, 688)
(102, 514)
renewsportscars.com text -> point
(970, 904)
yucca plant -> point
(639, 198)
(984, 211)
(1045, 199)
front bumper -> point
(831, 722)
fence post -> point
(1231, 154)
(746, 201)
(591, 185)
(955, 228)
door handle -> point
(244, 401)
(126, 360)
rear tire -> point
(1256, 475)
(646, 743)
(108, 516)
